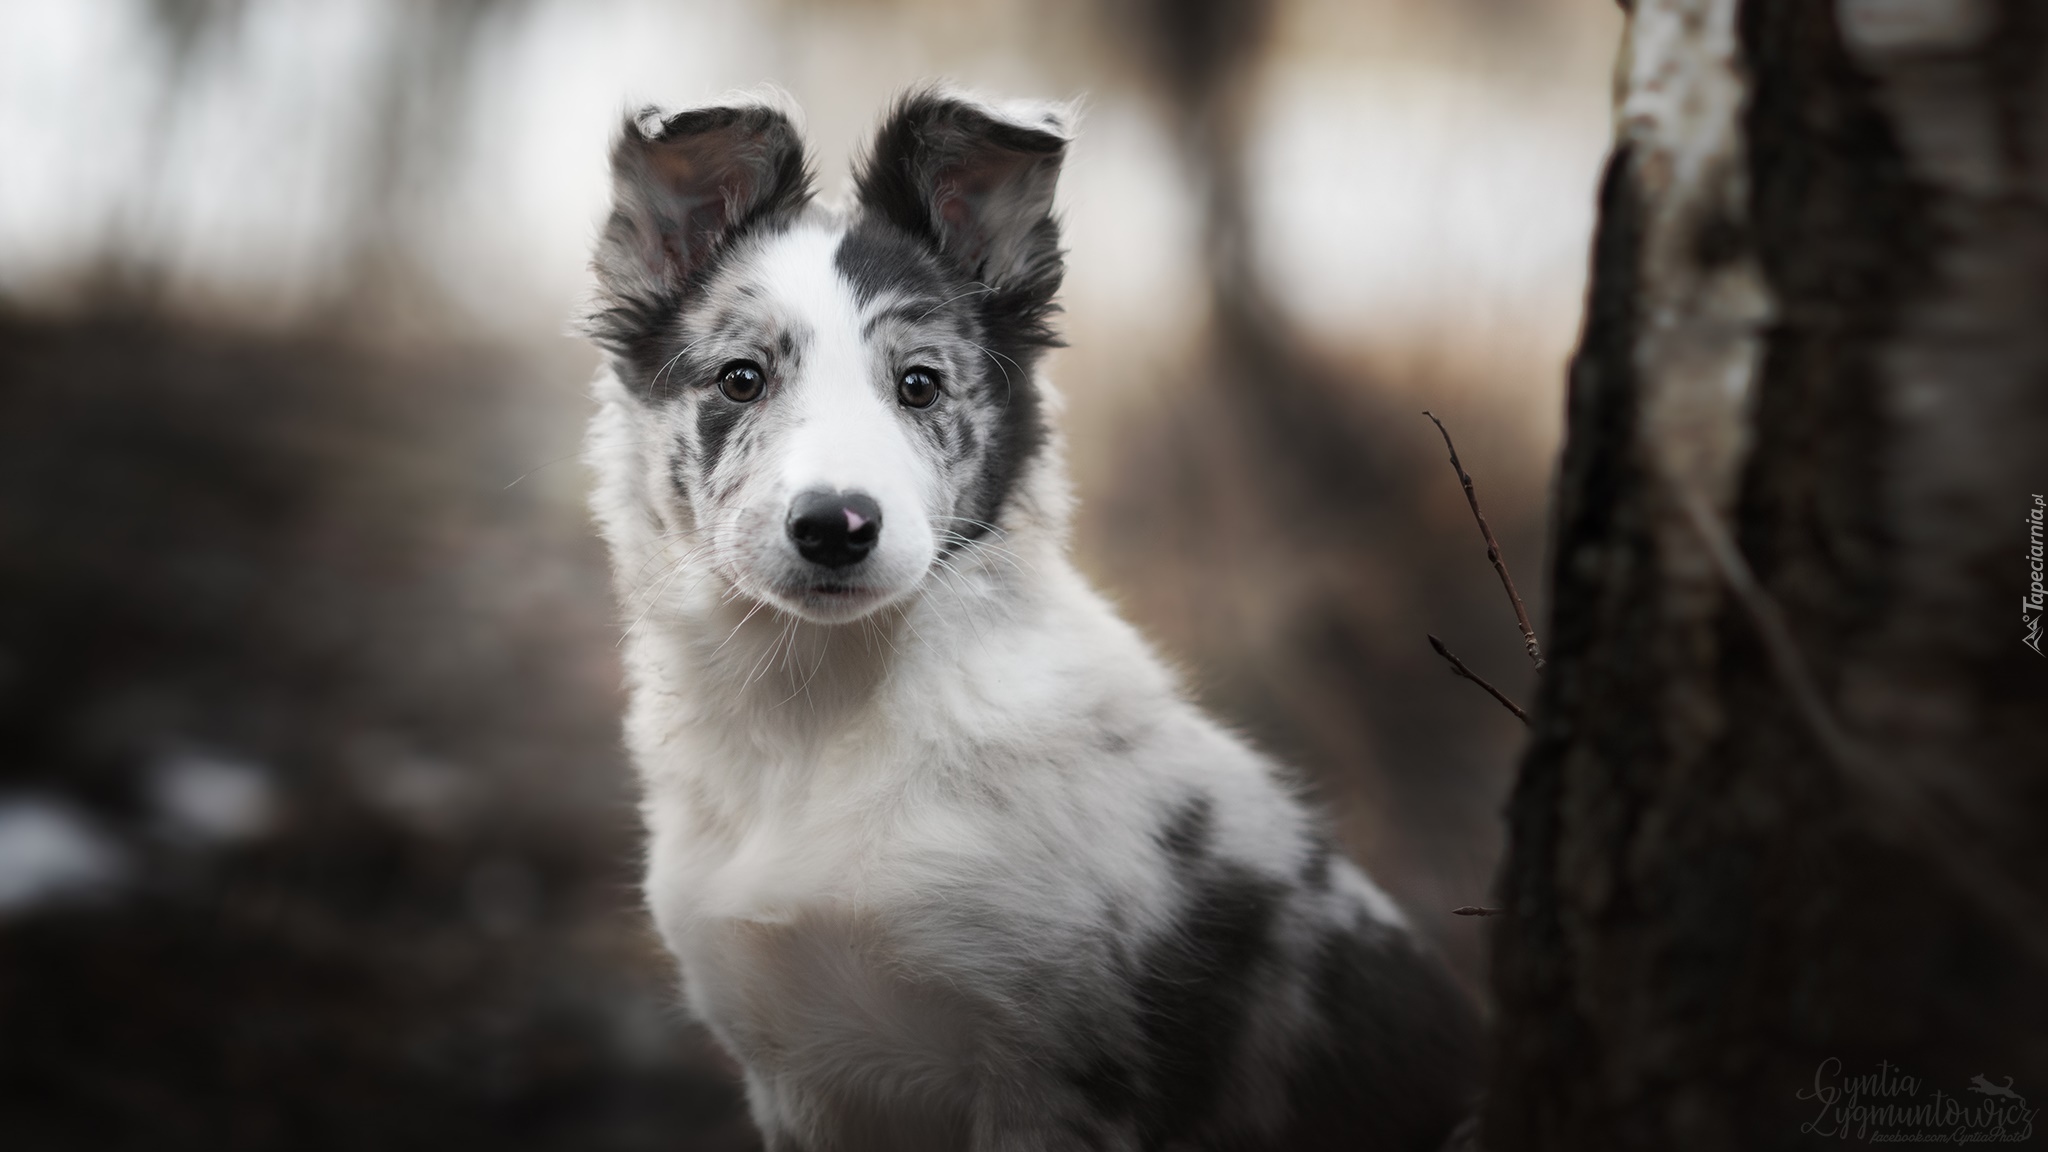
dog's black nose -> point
(836, 529)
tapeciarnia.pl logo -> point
(2036, 599)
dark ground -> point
(303, 558)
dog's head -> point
(838, 400)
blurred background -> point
(315, 829)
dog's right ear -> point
(684, 186)
(975, 183)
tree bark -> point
(1781, 822)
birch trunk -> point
(1787, 798)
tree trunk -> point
(1776, 850)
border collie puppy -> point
(946, 857)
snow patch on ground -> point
(52, 853)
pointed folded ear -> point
(974, 182)
(685, 185)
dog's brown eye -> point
(742, 381)
(918, 387)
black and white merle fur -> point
(946, 858)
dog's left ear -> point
(684, 185)
(974, 182)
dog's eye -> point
(918, 387)
(742, 381)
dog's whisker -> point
(758, 605)
(978, 290)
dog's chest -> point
(834, 924)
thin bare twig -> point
(1769, 623)
(1493, 554)
(1475, 910)
(1458, 666)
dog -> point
(945, 856)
